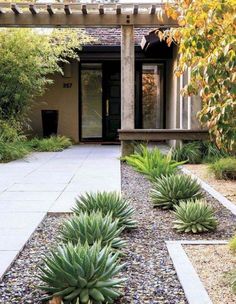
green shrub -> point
(211, 153)
(82, 274)
(232, 244)
(51, 144)
(224, 168)
(152, 163)
(91, 228)
(10, 131)
(107, 203)
(13, 150)
(194, 216)
(168, 191)
(190, 152)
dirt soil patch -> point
(225, 187)
(212, 263)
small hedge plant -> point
(168, 191)
(224, 168)
(152, 163)
(194, 216)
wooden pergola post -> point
(127, 84)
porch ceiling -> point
(82, 15)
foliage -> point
(91, 228)
(27, 58)
(82, 274)
(51, 144)
(232, 277)
(190, 152)
(107, 203)
(232, 244)
(211, 153)
(152, 163)
(168, 191)
(207, 45)
(12, 150)
(10, 131)
(194, 216)
(224, 168)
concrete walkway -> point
(49, 182)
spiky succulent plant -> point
(107, 203)
(195, 217)
(91, 228)
(82, 274)
(168, 191)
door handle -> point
(107, 107)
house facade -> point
(85, 102)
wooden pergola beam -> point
(152, 9)
(82, 15)
(118, 9)
(101, 9)
(50, 9)
(84, 9)
(67, 9)
(33, 9)
(16, 9)
(135, 9)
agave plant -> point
(82, 274)
(107, 203)
(168, 191)
(91, 228)
(195, 217)
(152, 163)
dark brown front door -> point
(111, 101)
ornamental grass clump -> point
(152, 163)
(51, 144)
(190, 152)
(168, 191)
(195, 217)
(107, 203)
(91, 228)
(82, 274)
(224, 168)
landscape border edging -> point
(193, 287)
(218, 196)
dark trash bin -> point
(50, 122)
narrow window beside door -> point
(91, 94)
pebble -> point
(149, 269)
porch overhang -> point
(82, 15)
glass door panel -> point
(152, 96)
(91, 94)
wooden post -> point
(127, 84)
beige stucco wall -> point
(65, 100)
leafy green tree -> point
(207, 44)
(27, 59)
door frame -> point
(138, 94)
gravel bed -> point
(151, 276)
(213, 263)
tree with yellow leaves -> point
(206, 39)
